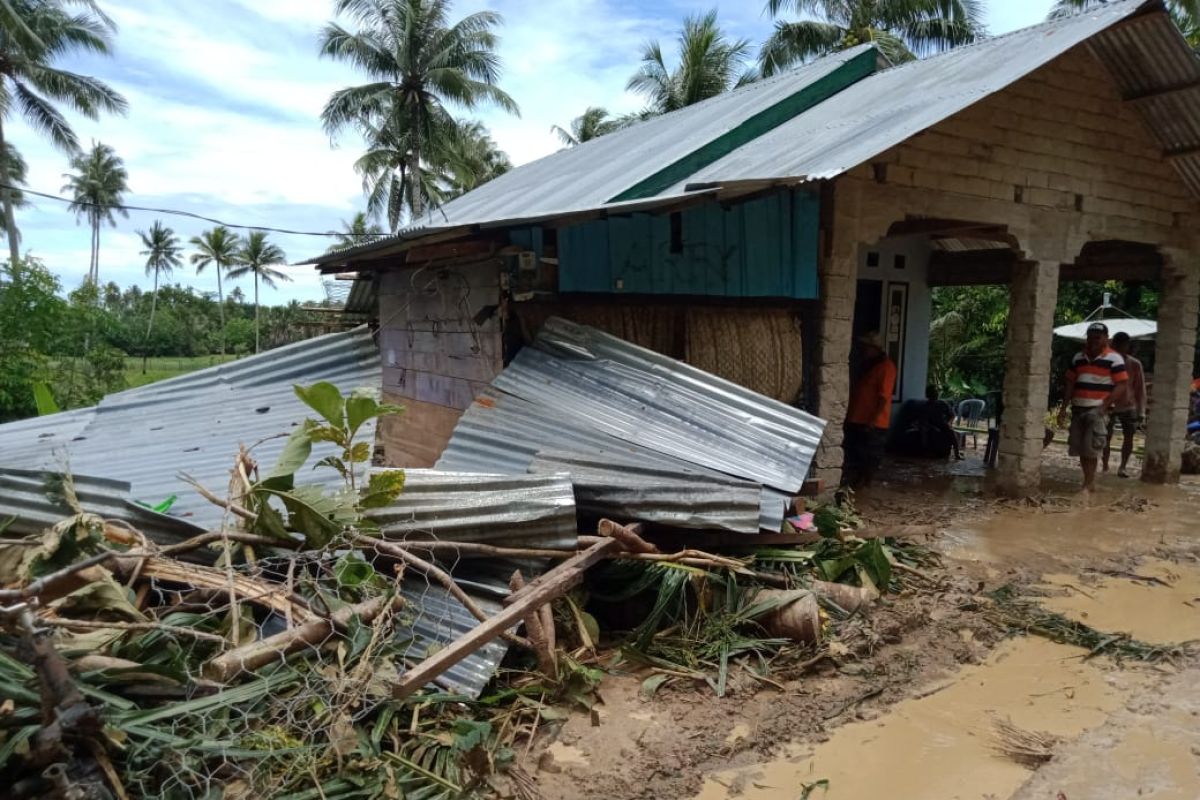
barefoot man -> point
(1096, 383)
(1130, 413)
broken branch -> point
(255, 655)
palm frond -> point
(793, 43)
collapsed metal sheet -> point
(32, 501)
(606, 484)
(647, 399)
(514, 510)
(433, 618)
(505, 434)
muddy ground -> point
(909, 707)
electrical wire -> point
(179, 213)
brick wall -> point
(1064, 136)
(438, 352)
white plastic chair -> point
(970, 413)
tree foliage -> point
(901, 29)
(97, 189)
(708, 62)
(34, 36)
(421, 65)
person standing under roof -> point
(1096, 383)
(869, 414)
(1130, 412)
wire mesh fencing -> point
(244, 677)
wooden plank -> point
(550, 586)
(446, 250)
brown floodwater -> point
(944, 746)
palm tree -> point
(419, 63)
(470, 158)
(162, 258)
(359, 230)
(18, 172)
(218, 247)
(33, 35)
(97, 187)
(709, 63)
(1185, 13)
(591, 124)
(899, 28)
(256, 257)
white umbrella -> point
(1136, 328)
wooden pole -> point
(553, 584)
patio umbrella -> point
(1136, 328)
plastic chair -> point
(970, 412)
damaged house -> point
(752, 235)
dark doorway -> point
(868, 314)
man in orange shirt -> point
(869, 413)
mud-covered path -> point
(916, 719)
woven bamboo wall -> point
(759, 348)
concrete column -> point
(1033, 296)
(839, 283)
(1175, 348)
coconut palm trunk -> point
(10, 222)
(221, 306)
(256, 313)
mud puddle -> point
(1157, 601)
(943, 746)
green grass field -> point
(158, 369)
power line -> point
(179, 213)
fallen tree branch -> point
(255, 655)
(439, 575)
(627, 535)
(94, 625)
(537, 593)
(53, 582)
(212, 497)
(535, 627)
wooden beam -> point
(1175, 155)
(553, 584)
(945, 228)
(972, 268)
(1160, 94)
(1115, 271)
(471, 248)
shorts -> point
(1127, 419)
(1089, 433)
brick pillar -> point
(1033, 296)
(1174, 351)
(839, 284)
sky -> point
(225, 97)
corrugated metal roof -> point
(606, 484)
(591, 174)
(434, 618)
(883, 110)
(506, 434)
(664, 405)
(194, 423)
(518, 510)
(1153, 65)
(33, 501)
(627, 416)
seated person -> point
(929, 434)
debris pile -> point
(313, 627)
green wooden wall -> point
(765, 247)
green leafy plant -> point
(310, 510)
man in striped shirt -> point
(1096, 383)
